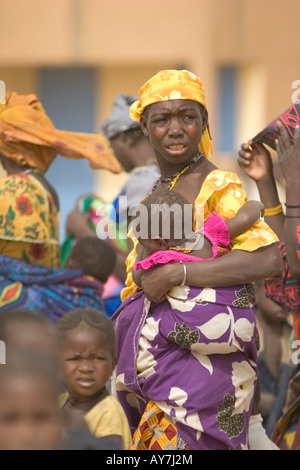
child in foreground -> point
(30, 418)
(88, 357)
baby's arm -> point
(246, 216)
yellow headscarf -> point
(28, 136)
(173, 85)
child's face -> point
(30, 418)
(87, 363)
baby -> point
(93, 256)
(211, 241)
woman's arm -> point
(289, 160)
(236, 267)
(255, 160)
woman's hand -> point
(289, 154)
(255, 160)
(157, 281)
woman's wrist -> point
(292, 197)
(183, 282)
(178, 273)
(268, 178)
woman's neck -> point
(168, 169)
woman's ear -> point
(204, 115)
(143, 123)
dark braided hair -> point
(87, 318)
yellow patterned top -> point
(29, 221)
(221, 192)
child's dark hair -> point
(154, 203)
(15, 316)
(25, 363)
(94, 257)
(87, 318)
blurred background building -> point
(77, 55)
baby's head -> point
(165, 219)
(94, 257)
(30, 418)
(88, 351)
(24, 329)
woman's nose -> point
(175, 127)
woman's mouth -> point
(175, 147)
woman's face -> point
(174, 129)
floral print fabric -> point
(29, 221)
(194, 355)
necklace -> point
(190, 248)
(32, 170)
(174, 178)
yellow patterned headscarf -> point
(28, 136)
(173, 85)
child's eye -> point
(9, 418)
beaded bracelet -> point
(273, 211)
(184, 274)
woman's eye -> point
(188, 118)
(160, 120)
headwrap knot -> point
(28, 136)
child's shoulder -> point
(62, 399)
(106, 412)
(112, 402)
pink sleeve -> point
(164, 257)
